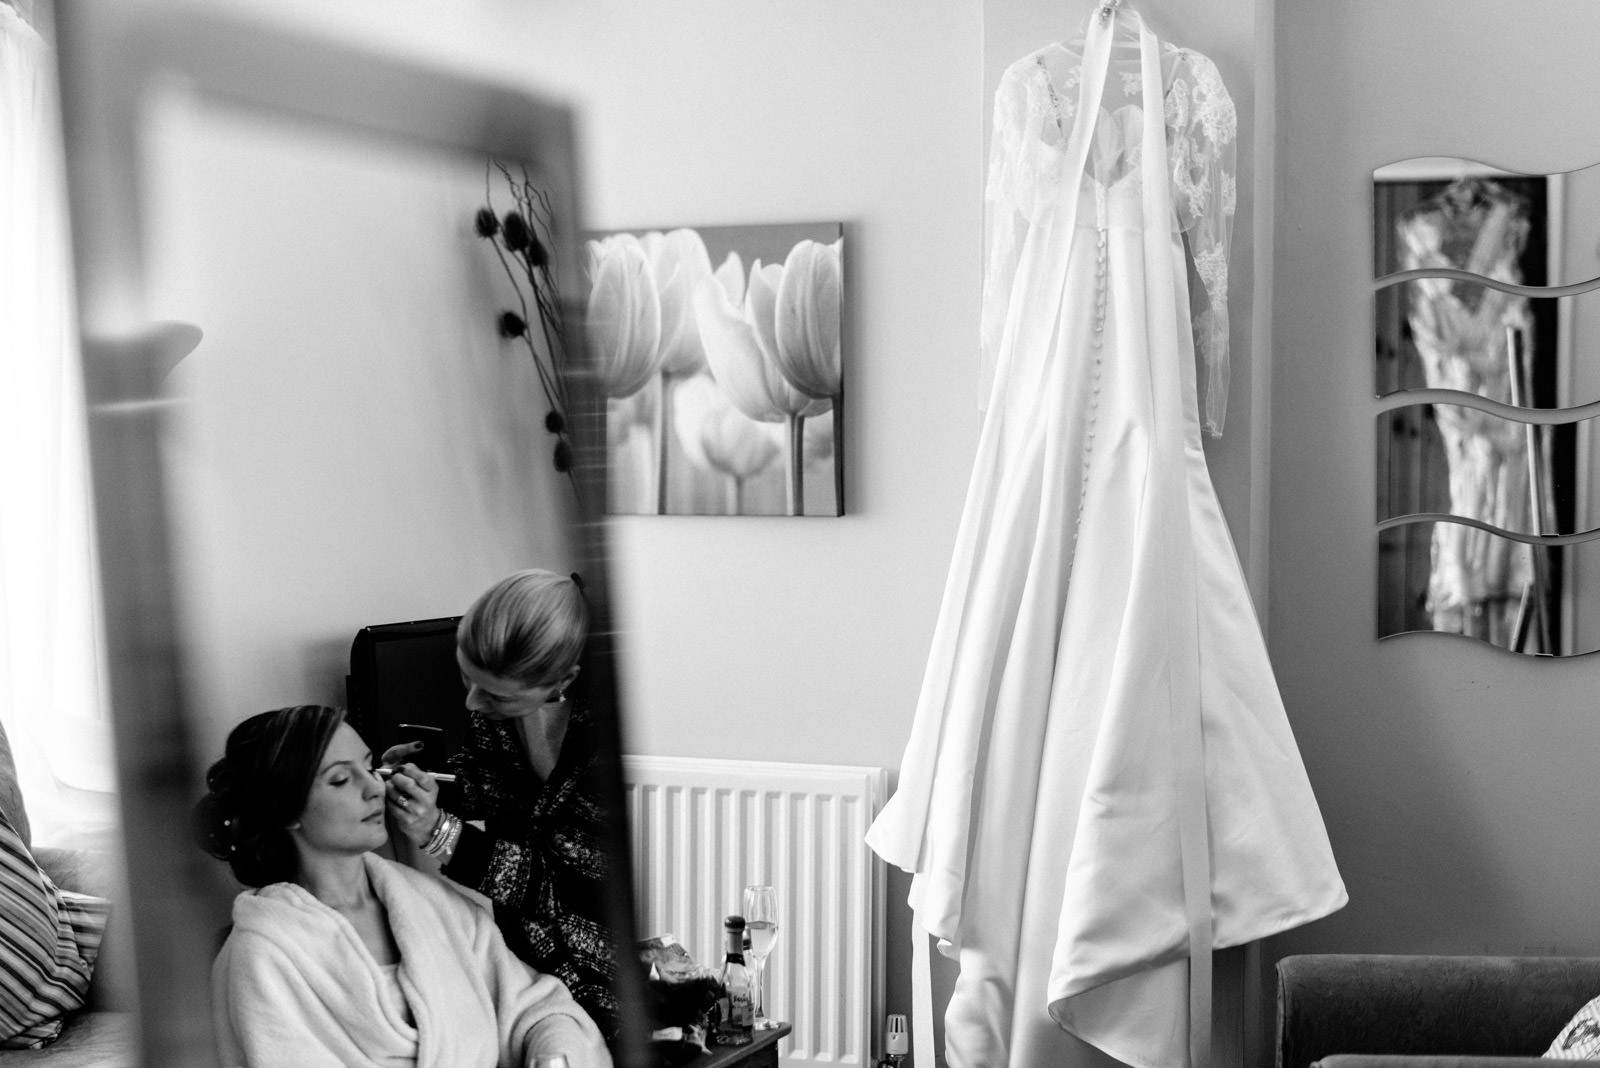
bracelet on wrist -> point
(445, 834)
(449, 847)
(436, 835)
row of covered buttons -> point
(1098, 339)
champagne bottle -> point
(737, 1017)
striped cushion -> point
(11, 791)
(49, 940)
(1580, 1039)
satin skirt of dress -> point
(1041, 790)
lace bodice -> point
(1035, 109)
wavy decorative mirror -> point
(1488, 374)
(349, 443)
(1484, 563)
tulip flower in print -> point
(680, 263)
(806, 322)
(738, 325)
(820, 438)
(631, 445)
(718, 437)
(624, 314)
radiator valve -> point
(896, 1041)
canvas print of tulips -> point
(720, 357)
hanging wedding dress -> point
(1101, 779)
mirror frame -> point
(110, 56)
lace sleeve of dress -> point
(1204, 127)
(1004, 221)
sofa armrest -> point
(1457, 1007)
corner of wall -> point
(1265, 182)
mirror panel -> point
(1522, 234)
(348, 443)
(1536, 229)
(1454, 578)
(1458, 460)
(1448, 333)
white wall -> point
(806, 638)
(1457, 781)
(799, 639)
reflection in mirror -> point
(1458, 460)
(351, 443)
(1537, 228)
(1444, 333)
(1478, 290)
(1453, 333)
(357, 446)
(1509, 593)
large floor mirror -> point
(306, 417)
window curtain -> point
(53, 699)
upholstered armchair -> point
(1381, 1011)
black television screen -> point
(404, 685)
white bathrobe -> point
(295, 986)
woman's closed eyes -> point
(341, 771)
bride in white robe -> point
(341, 958)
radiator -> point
(702, 830)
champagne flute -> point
(761, 926)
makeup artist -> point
(528, 771)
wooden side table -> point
(761, 1053)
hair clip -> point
(577, 580)
(1107, 7)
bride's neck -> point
(340, 882)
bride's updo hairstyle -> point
(259, 788)
(529, 627)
